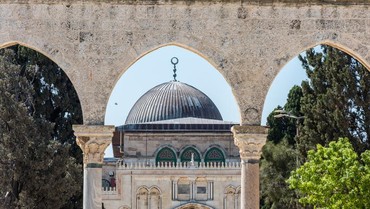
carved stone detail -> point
(93, 140)
(250, 140)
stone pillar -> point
(250, 140)
(93, 140)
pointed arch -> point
(123, 81)
(346, 44)
(186, 152)
(180, 45)
(50, 57)
(294, 50)
(50, 53)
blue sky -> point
(156, 68)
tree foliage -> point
(334, 177)
(40, 166)
(279, 156)
(335, 102)
(54, 97)
(335, 99)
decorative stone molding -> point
(93, 140)
(250, 140)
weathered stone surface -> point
(189, 2)
(248, 42)
(93, 140)
(249, 140)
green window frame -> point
(186, 155)
(214, 155)
(166, 154)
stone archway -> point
(194, 206)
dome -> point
(172, 100)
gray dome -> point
(172, 100)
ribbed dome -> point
(172, 100)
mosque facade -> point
(173, 152)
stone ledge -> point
(190, 2)
(93, 130)
(249, 129)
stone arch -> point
(210, 55)
(55, 59)
(194, 206)
(47, 50)
(211, 58)
(344, 43)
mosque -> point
(173, 152)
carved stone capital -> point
(250, 140)
(93, 140)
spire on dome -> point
(174, 61)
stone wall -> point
(219, 181)
(95, 42)
(188, 2)
(144, 147)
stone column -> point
(250, 140)
(93, 140)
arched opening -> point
(190, 153)
(167, 122)
(142, 197)
(154, 68)
(44, 105)
(166, 155)
(214, 155)
(331, 102)
(155, 198)
(292, 74)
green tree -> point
(335, 99)
(54, 97)
(36, 171)
(279, 156)
(334, 177)
(335, 102)
(55, 100)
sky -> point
(156, 68)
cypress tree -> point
(39, 152)
(336, 99)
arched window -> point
(214, 155)
(229, 199)
(166, 155)
(154, 198)
(142, 198)
(186, 155)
